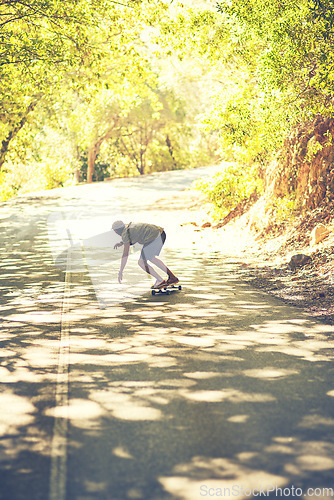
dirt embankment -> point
(304, 168)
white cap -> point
(118, 224)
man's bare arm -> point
(123, 261)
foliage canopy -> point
(136, 86)
(78, 78)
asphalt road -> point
(108, 393)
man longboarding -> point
(152, 238)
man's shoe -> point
(157, 285)
(172, 281)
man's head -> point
(118, 226)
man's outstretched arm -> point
(123, 261)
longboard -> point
(168, 289)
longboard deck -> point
(166, 289)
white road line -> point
(58, 475)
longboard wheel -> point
(153, 292)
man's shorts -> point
(153, 249)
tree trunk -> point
(142, 161)
(171, 152)
(94, 150)
(13, 133)
(145, 139)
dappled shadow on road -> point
(211, 387)
(214, 386)
(30, 304)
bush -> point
(229, 187)
(20, 178)
(7, 190)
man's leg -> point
(145, 267)
(157, 262)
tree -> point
(80, 77)
(295, 49)
(145, 123)
(276, 67)
(47, 44)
